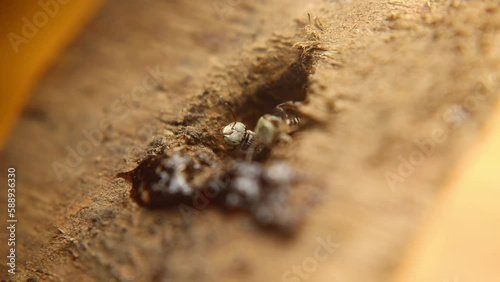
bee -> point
(236, 134)
(270, 129)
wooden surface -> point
(459, 242)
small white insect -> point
(236, 134)
(270, 129)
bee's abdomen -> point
(248, 140)
(289, 114)
(293, 120)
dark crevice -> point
(289, 84)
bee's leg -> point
(250, 153)
(257, 151)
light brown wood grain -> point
(461, 239)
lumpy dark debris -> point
(263, 191)
(161, 181)
(172, 180)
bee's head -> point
(234, 133)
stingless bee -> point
(270, 129)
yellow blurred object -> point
(33, 33)
(462, 240)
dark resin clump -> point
(263, 191)
(159, 181)
(177, 179)
(168, 180)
